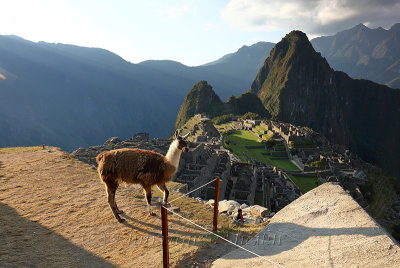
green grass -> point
(259, 130)
(224, 127)
(304, 183)
(383, 188)
(243, 138)
(284, 164)
(267, 136)
(240, 139)
(279, 147)
(262, 128)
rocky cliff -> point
(297, 85)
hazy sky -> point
(193, 32)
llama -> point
(137, 166)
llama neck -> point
(173, 154)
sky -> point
(192, 32)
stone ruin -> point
(205, 161)
(200, 165)
(201, 129)
(139, 140)
(242, 183)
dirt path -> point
(54, 213)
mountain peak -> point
(360, 26)
(294, 42)
(297, 34)
(201, 98)
(245, 54)
(395, 28)
(292, 56)
(297, 85)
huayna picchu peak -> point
(201, 98)
(297, 85)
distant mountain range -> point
(229, 75)
(72, 96)
(297, 85)
(361, 52)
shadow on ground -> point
(1, 167)
(25, 243)
(158, 227)
(281, 236)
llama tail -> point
(99, 158)
(105, 163)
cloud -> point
(173, 13)
(315, 17)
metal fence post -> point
(164, 221)
(216, 200)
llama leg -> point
(164, 189)
(147, 192)
(111, 189)
(115, 203)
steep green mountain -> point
(361, 52)
(246, 102)
(297, 85)
(201, 98)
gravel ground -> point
(54, 213)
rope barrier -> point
(201, 227)
(192, 191)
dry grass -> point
(7, 150)
(53, 212)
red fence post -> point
(216, 200)
(164, 221)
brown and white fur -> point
(137, 166)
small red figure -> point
(239, 215)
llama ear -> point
(176, 134)
(184, 137)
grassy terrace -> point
(224, 127)
(261, 130)
(238, 140)
(304, 183)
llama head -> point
(182, 144)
